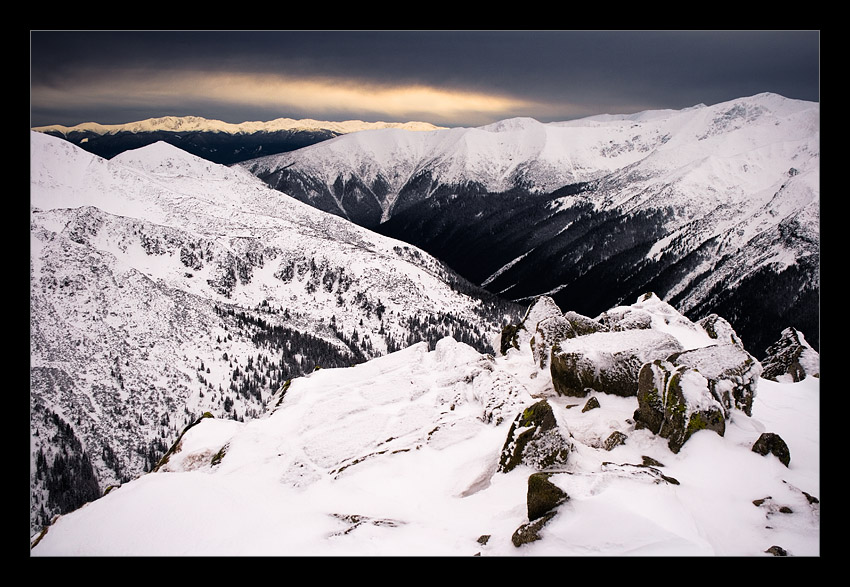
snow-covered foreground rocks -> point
(400, 456)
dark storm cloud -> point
(446, 77)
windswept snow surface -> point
(398, 456)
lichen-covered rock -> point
(608, 362)
(614, 440)
(543, 496)
(530, 531)
(675, 401)
(790, 358)
(535, 439)
(591, 404)
(732, 372)
(771, 443)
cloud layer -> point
(454, 78)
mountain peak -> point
(518, 123)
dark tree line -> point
(65, 472)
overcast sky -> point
(450, 78)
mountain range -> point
(214, 140)
(714, 208)
(167, 288)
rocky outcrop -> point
(608, 362)
(731, 371)
(790, 358)
(544, 325)
(647, 311)
(535, 439)
(675, 401)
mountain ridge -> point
(690, 203)
(214, 140)
(198, 123)
(163, 286)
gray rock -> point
(535, 439)
(771, 443)
(615, 439)
(777, 551)
(732, 373)
(517, 335)
(591, 404)
(543, 496)
(608, 362)
(530, 532)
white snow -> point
(393, 457)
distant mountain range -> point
(715, 208)
(214, 140)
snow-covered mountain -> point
(715, 208)
(450, 452)
(164, 286)
(214, 140)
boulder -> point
(615, 439)
(790, 358)
(553, 329)
(535, 439)
(543, 496)
(732, 372)
(591, 404)
(517, 335)
(548, 331)
(648, 311)
(720, 330)
(608, 362)
(530, 531)
(675, 401)
(771, 443)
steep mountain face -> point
(164, 286)
(716, 209)
(214, 140)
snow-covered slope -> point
(544, 157)
(399, 456)
(163, 286)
